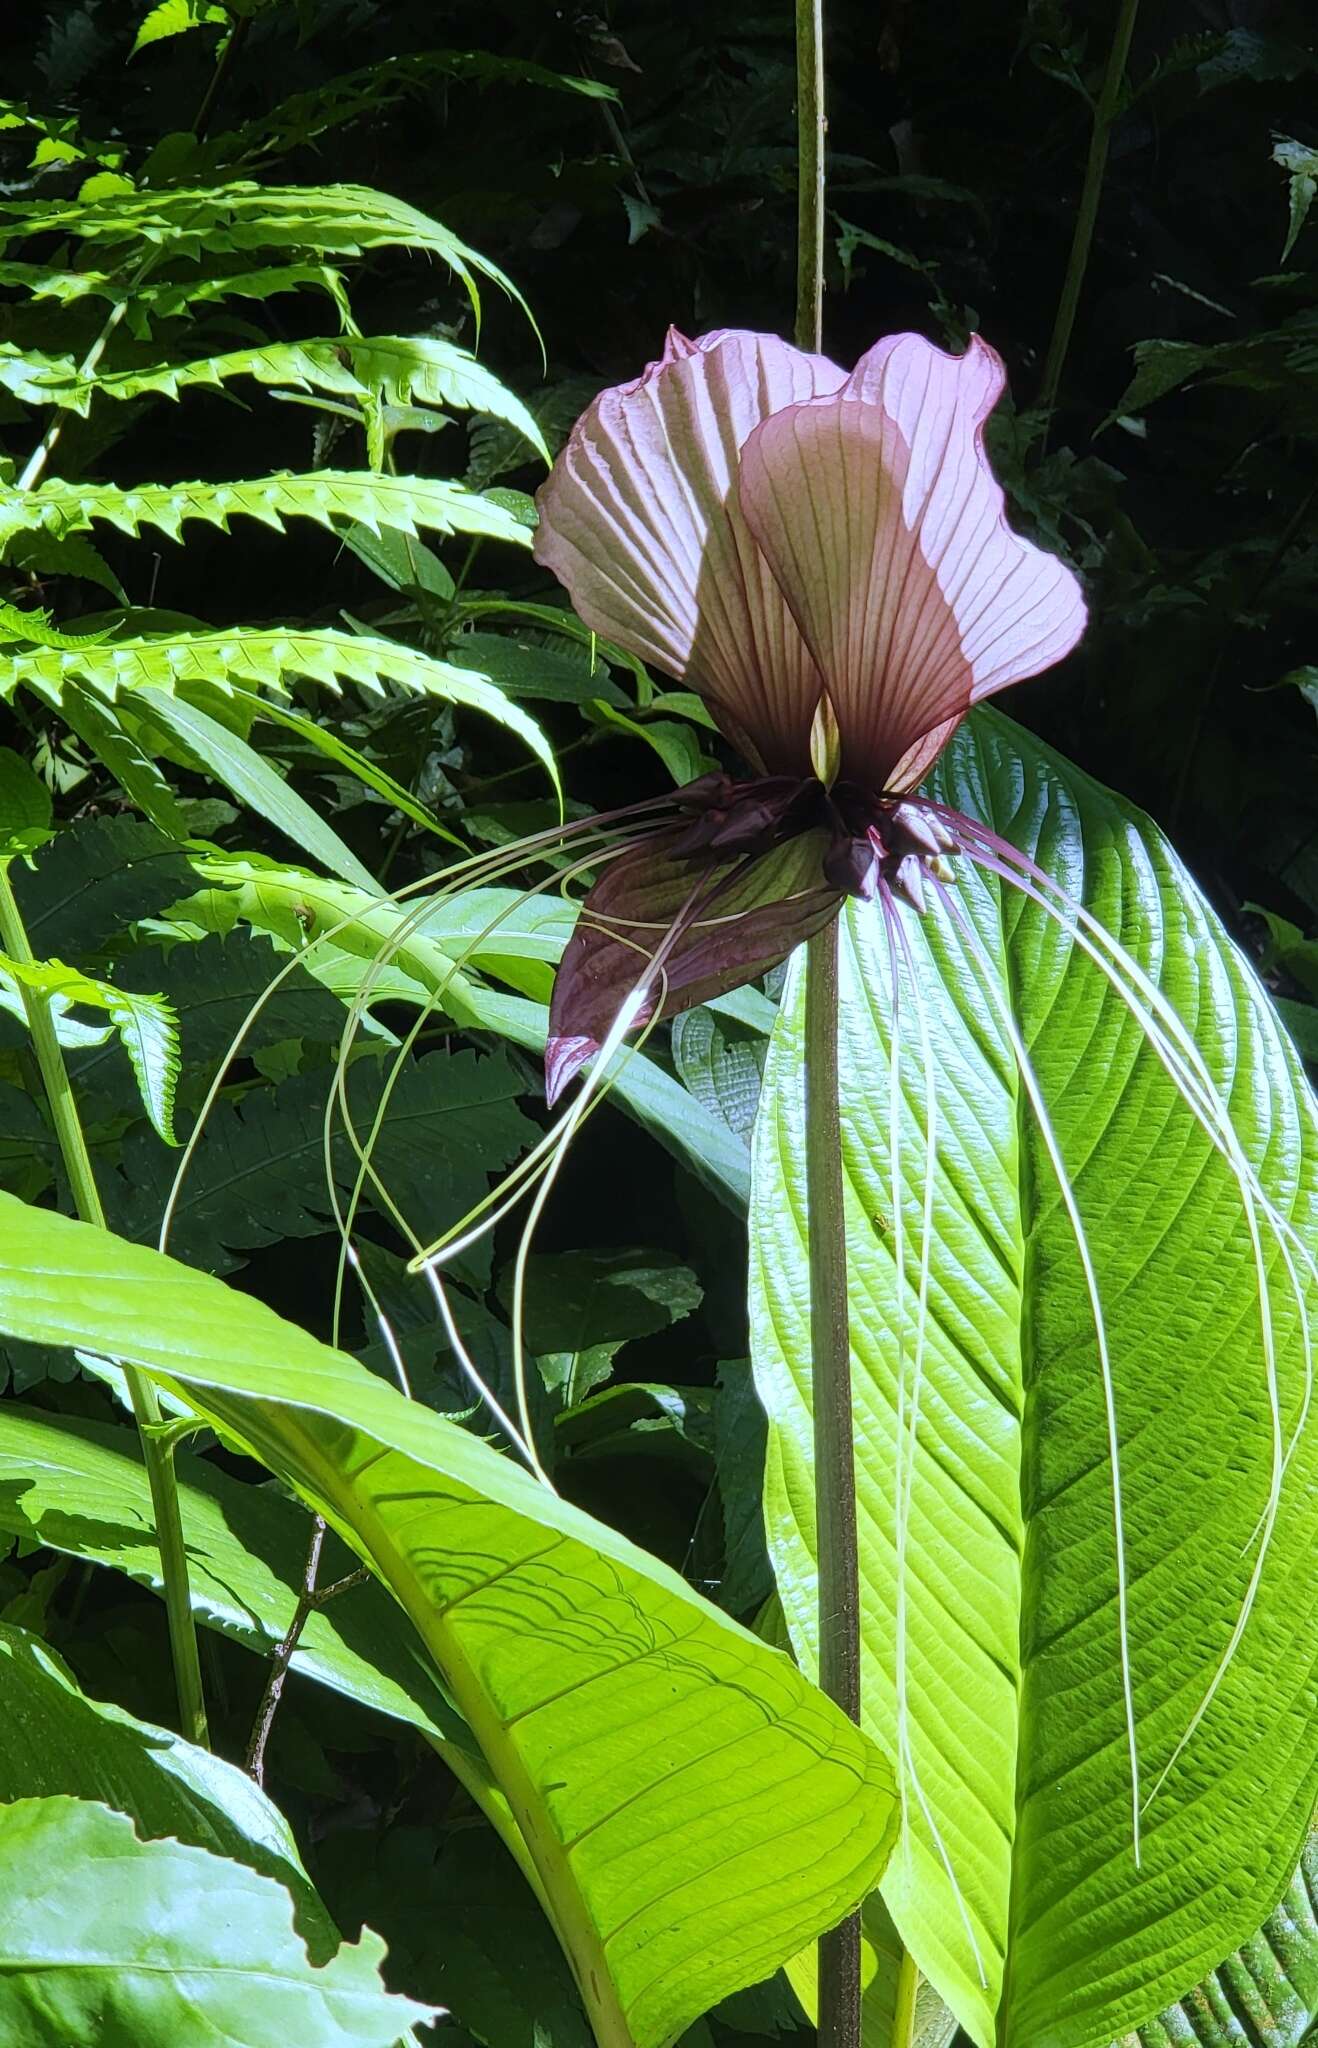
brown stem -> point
(310, 1600)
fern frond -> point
(166, 299)
(402, 369)
(175, 18)
(147, 1027)
(318, 220)
(408, 504)
(35, 627)
(262, 659)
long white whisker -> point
(1002, 1005)
(1200, 1097)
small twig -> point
(310, 1600)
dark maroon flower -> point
(825, 558)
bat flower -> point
(825, 559)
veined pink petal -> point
(882, 522)
(641, 521)
(755, 912)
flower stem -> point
(835, 1474)
(839, 2018)
(1105, 113)
(157, 1442)
(810, 127)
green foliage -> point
(61, 1744)
(1267, 1993)
(461, 1537)
(157, 1942)
(219, 755)
(1014, 1799)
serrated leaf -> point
(400, 370)
(338, 220)
(330, 497)
(110, 1938)
(95, 879)
(262, 658)
(258, 1173)
(1014, 1714)
(174, 18)
(146, 1026)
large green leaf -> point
(1266, 1995)
(694, 1809)
(1017, 1886)
(58, 1742)
(157, 1944)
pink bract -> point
(763, 527)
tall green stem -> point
(1105, 113)
(157, 1451)
(835, 1474)
(839, 2020)
(810, 129)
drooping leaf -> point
(113, 1939)
(401, 369)
(256, 782)
(261, 659)
(295, 907)
(340, 220)
(1018, 1859)
(748, 1816)
(59, 1742)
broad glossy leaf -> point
(1264, 1996)
(1017, 1887)
(694, 1809)
(156, 1944)
(58, 1742)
